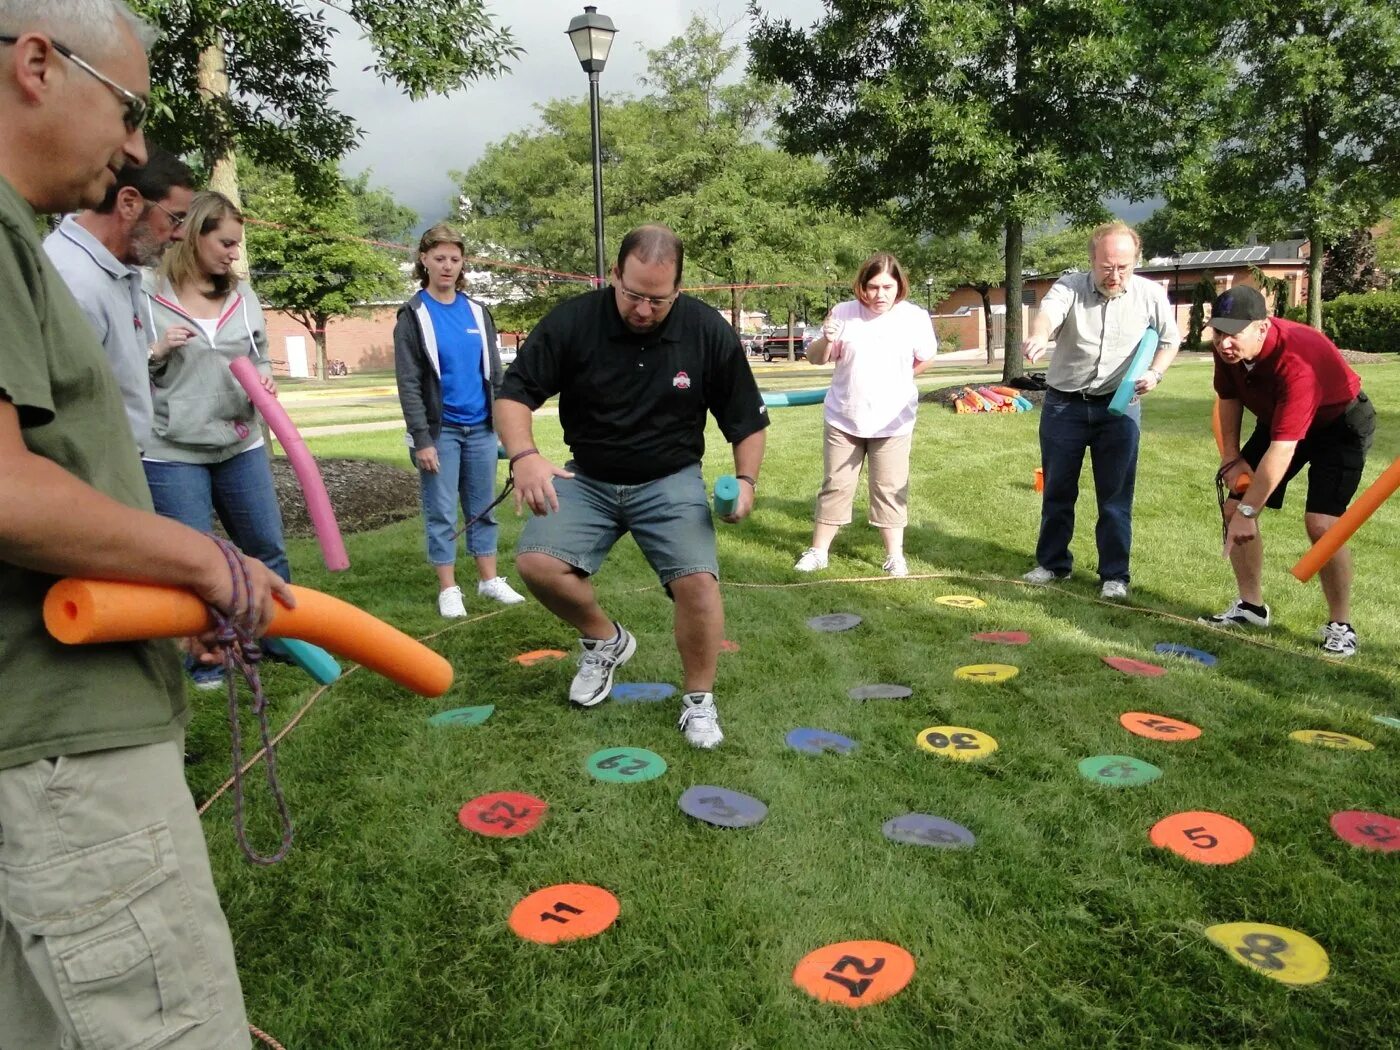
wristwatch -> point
(1156, 375)
(1246, 511)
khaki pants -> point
(111, 935)
(888, 459)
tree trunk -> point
(985, 291)
(735, 312)
(318, 336)
(792, 321)
(1315, 259)
(220, 156)
(1011, 348)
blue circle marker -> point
(642, 692)
(833, 622)
(1173, 649)
(463, 716)
(921, 829)
(819, 741)
(722, 807)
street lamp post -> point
(928, 293)
(592, 36)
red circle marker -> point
(1368, 830)
(1158, 727)
(568, 912)
(1206, 838)
(1134, 667)
(1003, 637)
(502, 815)
(727, 646)
(534, 656)
(854, 973)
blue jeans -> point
(466, 472)
(1068, 426)
(240, 490)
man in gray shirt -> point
(98, 253)
(1097, 320)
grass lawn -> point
(1062, 927)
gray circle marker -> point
(832, 622)
(880, 691)
(819, 741)
(722, 807)
(920, 829)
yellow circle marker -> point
(961, 601)
(1335, 741)
(956, 742)
(989, 674)
(1275, 951)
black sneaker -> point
(1338, 639)
(1237, 616)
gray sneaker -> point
(1040, 575)
(1338, 639)
(596, 666)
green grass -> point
(1064, 927)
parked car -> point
(778, 344)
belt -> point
(1081, 395)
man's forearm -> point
(514, 425)
(748, 453)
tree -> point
(989, 115)
(1350, 266)
(1175, 228)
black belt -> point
(1081, 395)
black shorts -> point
(1337, 452)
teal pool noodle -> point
(790, 398)
(312, 659)
(1147, 346)
(726, 494)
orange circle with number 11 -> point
(854, 973)
(568, 912)
(1206, 838)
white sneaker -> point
(596, 666)
(895, 565)
(1040, 575)
(1237, 616)
(700, 721)
(1114, 590)
(811, 560)
(1338, 639)
(450, 603)
(499, 590)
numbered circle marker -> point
(833, 622)
(961, 601)
(1275, 951)
(957, 742)
(880, 691)
(988, 674)
(1003, 637)
(1368, 830)
(819, 742)
(1387, 720)
(1118, 770)
(502, 815)
(1207, 838)
(641, 692)
(463, 716)
(920, 829)
(1173, 649)
(1136, 668)
(722, 807)
(727, 646)
(625, 765)
(568, 912)
(855, 973)
(1158, 727)
(1328, 739)
(535, 656)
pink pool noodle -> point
(313, 489)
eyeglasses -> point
(177, 218)
(134, 107)
(1105, 268)
(650, 300)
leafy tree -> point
(1176, 228)
(989, 115)
(1203, 293)
(1350, 266)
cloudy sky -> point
(411, 146)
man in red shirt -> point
(1310, 410)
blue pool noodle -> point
(1123, 396)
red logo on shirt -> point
(681, 382)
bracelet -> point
(521, 455)
(744, 477)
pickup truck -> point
(776, 346)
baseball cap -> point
(1237, 309)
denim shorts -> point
(669, 518)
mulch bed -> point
(364, 495)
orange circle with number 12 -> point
(854, 973)
(1206, 838)
(568, 912)
(1158, 727)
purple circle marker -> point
(832, 622)
(880, 691)
(920, 829)
(819, 741)
(722, 807)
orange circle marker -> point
(568, 912)
(726, 646)
(1206, 838)
(1158, 727)
(854, 973)
(1137, 668)
(535, 656)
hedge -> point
(1368, 321)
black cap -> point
(1237, 309)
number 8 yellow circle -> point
(1275, 951)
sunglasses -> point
(134, 107)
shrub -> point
(1368, 321)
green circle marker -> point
(463, 716)
(625, 765)
(1118, 771)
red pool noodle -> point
(313, 489)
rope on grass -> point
(260, 1034)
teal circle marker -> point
(1118, 771)
(625, 765)
(1387, 720)
(463, 716)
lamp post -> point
(592, 36)
(928, 293)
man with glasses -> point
(111, 932)
(1097, 319)
(99, 252)
(636, 367)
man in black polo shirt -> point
(636, 366)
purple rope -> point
(235, 633)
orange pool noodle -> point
(79, 611)
(1242, 482)
(1331, 541)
